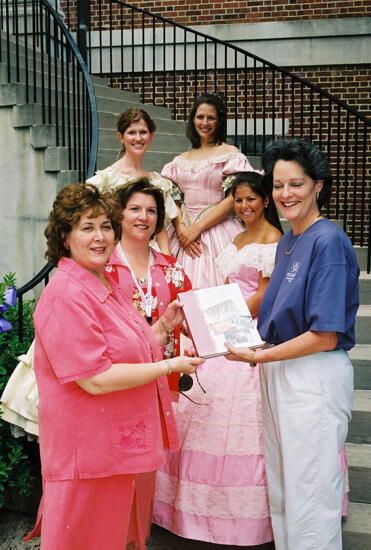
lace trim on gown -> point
(198, 164)
(259, 256)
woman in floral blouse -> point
(149, 278)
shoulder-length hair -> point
(128, 117)
(70, 204)
(221, 127)
(259, 186)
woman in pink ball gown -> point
(204, 226)
(214, 489)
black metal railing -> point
(40, 55)
(169, 65)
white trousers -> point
(306, 407)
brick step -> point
(363, 325)
(361, 359)
(357, 527)
(359, 426)
(153, 160)
(359, 468)
(362, 374)
(361, 253)
(365, 289)
(117, 106)
(108, 140)
(107, 120)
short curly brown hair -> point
(71, 203)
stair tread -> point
(358, 519)
(114, 113)
(102, 151)
(358, 455)
(362, 401)
(364, 311)
(361, 351)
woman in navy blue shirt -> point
(308, 316)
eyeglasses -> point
(186, 383)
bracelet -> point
(251, 358)
(164, 327)
(169, 368)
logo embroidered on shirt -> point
(291, 274)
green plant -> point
(19, 466)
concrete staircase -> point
(357, 527)
(30, 155)
(169, 138)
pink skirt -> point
(98, 513)
(202, 270)
(215, 489)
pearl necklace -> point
(288, 252)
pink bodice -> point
(200, 181)
(243, 266)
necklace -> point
(288, 252)
(146, 298)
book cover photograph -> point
(217, 315)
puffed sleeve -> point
(166, 187)
(108, 179)
(266, 258)
(237, 162)
(73, 340)
(225, 261)
(170, 171)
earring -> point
(317, 195)
(66, 245)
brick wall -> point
(349, 83)
(202, 12)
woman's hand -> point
(193, 250)
(305, 344)
(172, 316)
(238, 354)
(169, 320)
(185, 365)
(190, 352)
(187, 235)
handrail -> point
(51, 71)
(243, 52)
(169, 64)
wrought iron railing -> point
(41, 56)
(169, 64)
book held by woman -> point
(217, 315)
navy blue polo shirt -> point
(315, 287)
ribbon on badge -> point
(10, 301)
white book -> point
(217, 315)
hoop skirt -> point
(215, 489)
